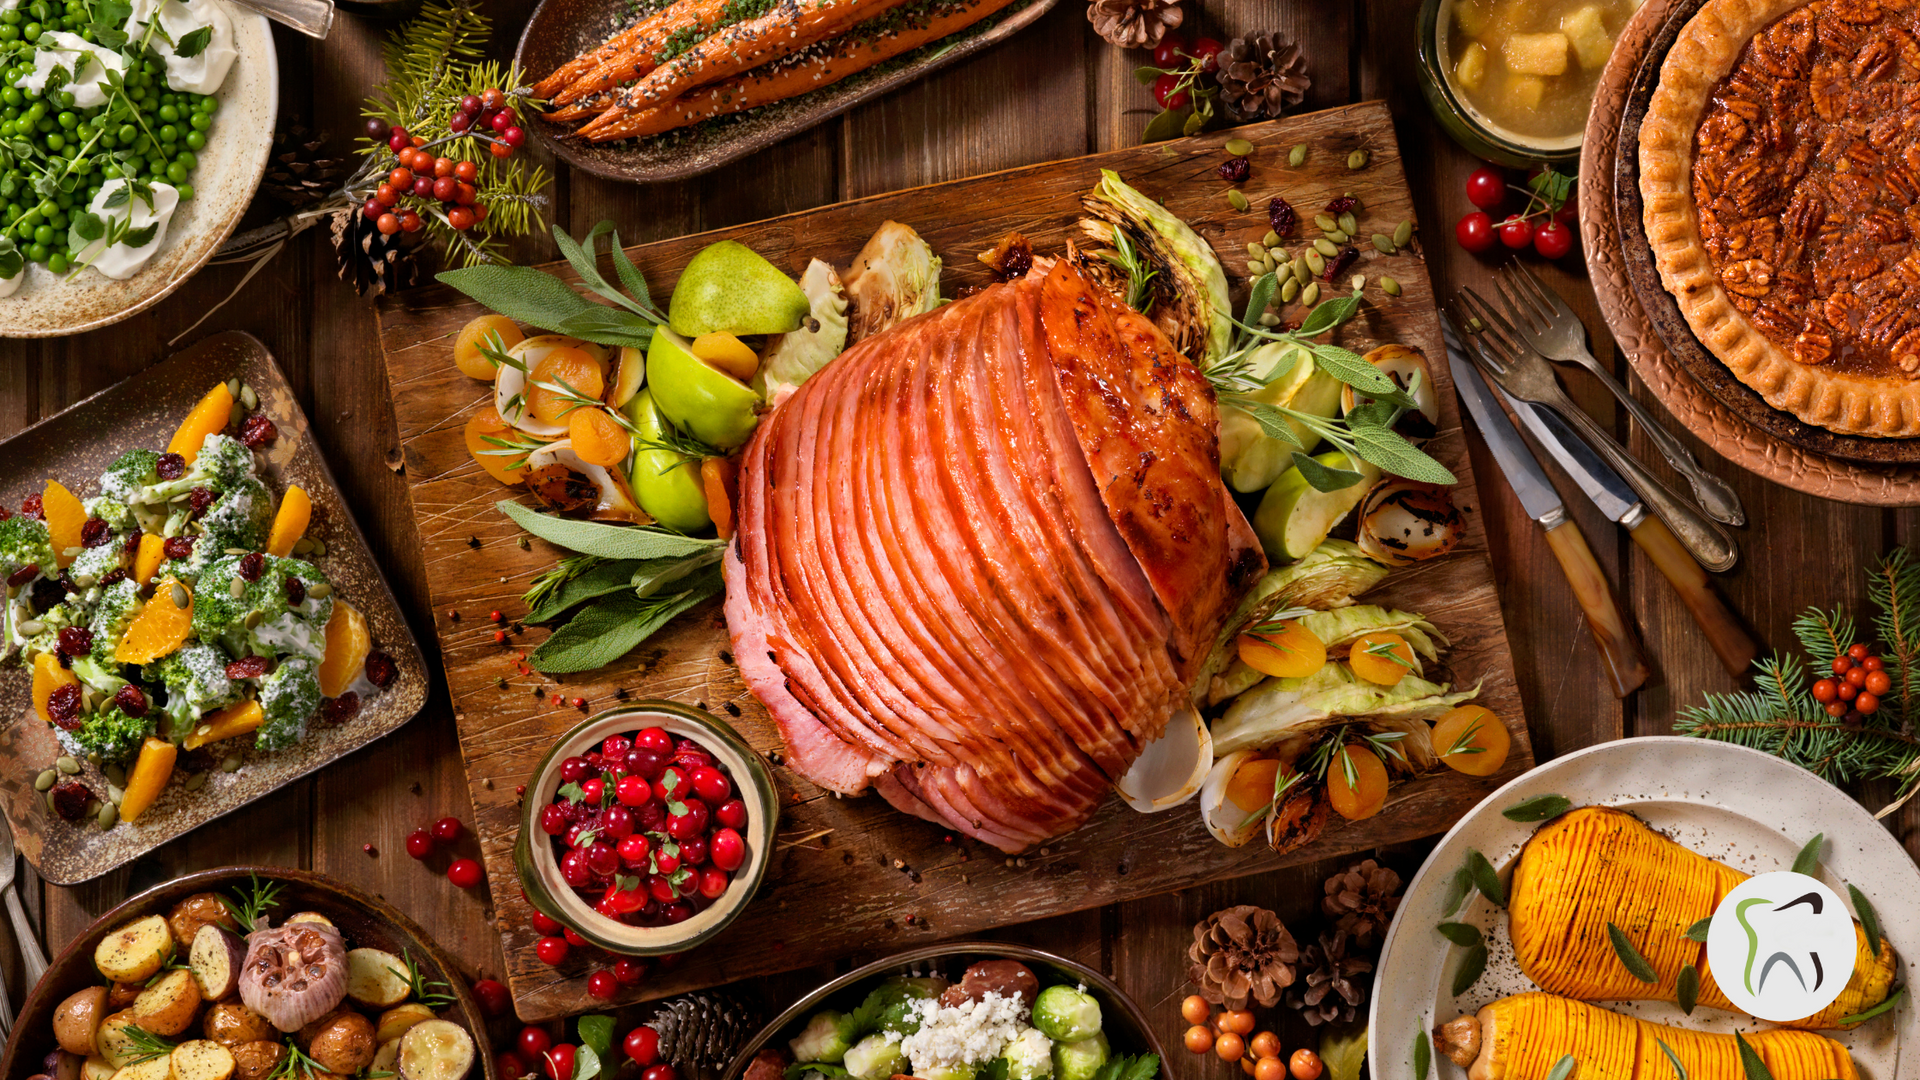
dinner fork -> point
(1526, 375)
(1545, 322)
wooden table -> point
(1056, 91)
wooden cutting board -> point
(854, 876)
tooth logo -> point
(1781, 946)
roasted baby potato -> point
(153, 1068)
(134, 952)
(77, 1020)
(168, 1007)
(216, 960)
(202, 1059)
(312, 917)
(196, 911)
(113, 1042)
(344, 1044)
(377, 979)
(122, 995)
(257, 1060)
(97, 1068)
(231, 1023)
(387, 1058)
(435, 1050)
(396, 1021)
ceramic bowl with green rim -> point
(1469, 126)
(539, 866)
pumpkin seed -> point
(1347, 223)
(116, 794)
(30, 627)
(1297, 156)
(1358, 160)
(1325, 222)
(1300, 265)
(1255, 268)
(233, 387)
(249, 398)
(1325, 247)
(1239, 147)
(1311, 294)
(236, 551)
(45, 780)
(1316, 264)
(320, 591)
(230, 763)
(1272, 239)
(1236, 200)
(237, 588)
(1290, 290)
(1278, 254)
(67, 764)
(49, 800)
(253, 620)
(85, 581)
(1389, 286)
(1269, 319)
(319, 548)
(180, 598)
(108, 815)
(1254, 251)
(116, 774)
(302, 546)
(1359, 282)
(1403, 233)
(1339, 236)
(196, 781)
(1384, 244)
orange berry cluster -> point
(1229, 1034)
(1860, 680)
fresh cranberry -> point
(689, 823)
(650, 818)
(675, 783)
(634, 849)
(661, 889)
(177, 547)
(714, 882)
(693, 850)
(595, 789)
(1552, 239)
(419, 843)
(667, 861)
(1167, 53)
(613, 746)
(1207, 51)
(63, 706)
(131, 700)
(1234, 170)
(573, 938)
(559, 1062)
(643, 1042)
(573, 867)
(575, 769)
(31, 507)
(602, 985)
(1475, 232)
(729, 849)
(543, 923)
(616, 822)
(645, 763)
(629, 971)
(258, 432)
(494, 1000)
(654, 738)
(626, 901)
(553, 820)
(551, 951)
(94, 532)
(1486, 188)
(1281, 216)
(580, 834)
(78, 641)
(677, 912)
(465, 873)
(252, 565)
(198, 500)
(70, 799)
(398, 140)
(601, 859)
(605, 908)
(170, 467)
(712, 785)
(633, 791)
(343, 708)
(297, 595)
(1569, 212)
(510, 1065)
(447, 830)
(247, 667)
(732, 814)
(23, 575)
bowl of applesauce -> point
(1512, 80)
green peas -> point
(168, 133)
(9, 32)
(200, 121)
(45, 125)
(10, 18)
(68, 120)
(66, 99)
(169, 114)
(127, 133)
(38, 252)
(186, 191)
(60, 222)
(187, 159)
(111, 172)
(148, 67)
(43, 235)
(14, 210)
(156, 164)
(35, 111)
(177, 173)
(62, 201)
(196, 141)
(31, 32)
(208, 105)
(57, 262)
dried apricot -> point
(161, 625)
(496, 332)
(495, 459)
(347, 645)
(48, 676)
(727, 353)
(148, 777)
(1251, 786)
(290, 523)
(66, 519)
(1356, 782)
(1472, 740)
(564, 367)
(1381, 658)
(598, 438)
(209, 417)
(1284, 650)
(721, 479)
(236, 719)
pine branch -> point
(1894, 587)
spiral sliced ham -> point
(981, 556)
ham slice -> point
(981, 555)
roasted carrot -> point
(791, 25)
(646, 35)
(872, 42)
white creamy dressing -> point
(88, 62)
(203, 72)
(121, 261)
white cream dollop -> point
(88, 62)
(203, 72)
(121, 261)
(10, 285)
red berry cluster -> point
(422, 175)
(533, 1048)
(424, 841)
(1859, 681)
(1544, 223)
(1182, 64)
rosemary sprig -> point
(296, 1065)
(146, 1045)
(1389, 650)
(247, 907)
(549, 583)
(424, 989)
(1140, 273)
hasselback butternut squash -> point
(1522, 1037)
(1593, 866)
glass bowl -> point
(1468, 128)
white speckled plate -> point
(230, 168)
(1745, 808)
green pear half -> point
(729, 286)
(666, 484)
(1294, 517)
(697, 397)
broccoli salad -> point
(173, 610)
(996, 1023)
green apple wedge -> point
(697, 397)
(729, 286)
(1294, 517)
(665, 483)
(1252, 459)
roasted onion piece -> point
(1403, 522)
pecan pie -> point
(1780, 166)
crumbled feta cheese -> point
(965, 1034)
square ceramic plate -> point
(74, 446)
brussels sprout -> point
(959, 1070)
(1029, 1057)
(826, 1038)
(876, 1057)
(288, 697)
(1066, 1014)
(195, 677)
(1079, 1060)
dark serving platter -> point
(1663, 313)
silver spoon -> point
(311, 17)
(33, 962)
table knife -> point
(1617, 500)
(1619, 649)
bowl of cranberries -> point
(647, 828)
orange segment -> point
(496, 332)
(727, 353)
(1381, 658)
(160, 627)
(146, 561)
(290, 523)
(571, 367)
(347, 645)
(1470, 739)
(65, 516)
(1362, 794)
(147, 777)
(207, 418)
(236, 719)
(485, 424)
(1285, 651)
(48, 676)
(597, 438)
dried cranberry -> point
(198, 500)
(343, 708)
(247, 667)
(1234, 169)
(1339, 263)
(70, 798)
(76, 641)
(47, 594)
(133, 543)
(258, 432)
(381, 670)
(170, 467)
(132, 700)
(296, 591)
(23, 575)
(63, 706)
(94, 533)
(4, 512)
(1280, 215)
(1343, 204)
(178, 547)
(30, 506)
(252, 565)
(113, 577)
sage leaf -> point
(602, 580)
(1688, 992)
(606, 326)
(1630, 957)
(1259, 295)
(1698, 931)
(606, 541)
(630, 276)
(653, 575)
(1165, 126)
(1473, 963)
(1750, 1062)
(584, 256)
(1809, 858)
(1461, 934)
(1486, 879)
(1322, 477)
(1561, 1069)
(1272, 422)
(1869, 918)
(1884, 1007)
(1387, 449)
(519, 292)
(1329, 315)
(610, 628)
(1538, 808)
(1458, 886)
(1679, 1070)
(1422, 1056)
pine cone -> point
(299, 172)
(700, 1033)
(1361, 900)
(1336, 984)
(1241, 953)
(1134, 24)
(1262, 76)
(368, 257)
